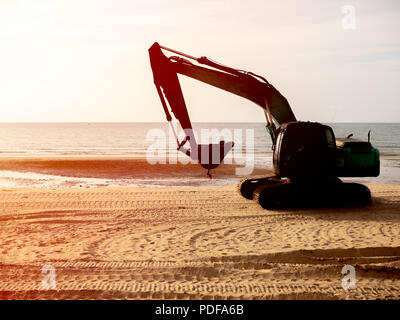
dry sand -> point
(193, 243)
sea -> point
(156, 141)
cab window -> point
(330, 138)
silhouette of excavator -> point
(307, 158)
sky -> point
(87, 60)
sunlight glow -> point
(87, 60)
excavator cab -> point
(304, 150)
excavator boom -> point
(245, 84)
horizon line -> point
(126, 122)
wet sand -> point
(193, 243)
(117, 168)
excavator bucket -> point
(211, 155)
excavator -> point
(307, 157)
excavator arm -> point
(245, 84)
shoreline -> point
(106, 170)
(107, 167)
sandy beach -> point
(192, 243)
(112, 111)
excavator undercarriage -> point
(276, 193)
